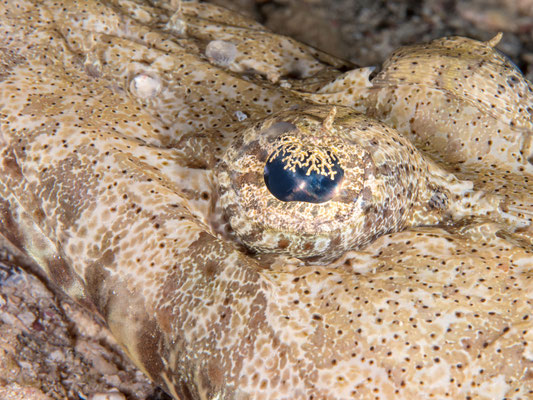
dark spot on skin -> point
(283, 244)
(386, 170)
(212, 378)
(250, 178)
(308, 246)
(253, 236)
(9, 162)
(369, 167)
(294, 74)
(211, 269)
(335, 242)
(369, 221)
(61, 273)
(262, 155)
(366, 194)
(93, 70)
(346, 196)
(438, 201)
(409, 192)
(313, 259)
(251, 148)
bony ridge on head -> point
(328, 121)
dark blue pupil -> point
(287, 185)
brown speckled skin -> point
(460, 100)
(113, 123)
(387, 185)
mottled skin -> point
(387, 185)
(459, 100)
(114, 126)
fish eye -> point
(305, 177)
(302, 184)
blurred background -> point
(366, 31)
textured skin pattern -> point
(453, 84)
(387, 185)
(119, 124)
(459, 100)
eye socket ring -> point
(302, 185)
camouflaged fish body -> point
(460, 100)
(114, 121)
(449, 85)
(384, 184)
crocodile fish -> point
(168, 165)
